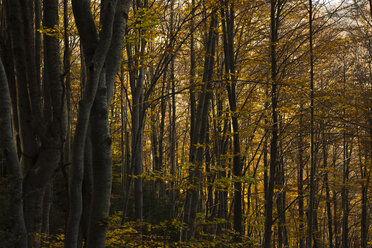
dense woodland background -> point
(196, 123)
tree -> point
(198, 136)
(9, 154)
(102, 53)
(228, 17)
(276, 7)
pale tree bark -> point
(9, 153)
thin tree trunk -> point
(274, 18)
(281, 205)
(228, 16)
(300, 183)
(336, 223)
(365, 184)
(312, 186)
(345, 191)
(198, 137)
(328, 197)
(172, 140)
(137, 143)
(365, 172)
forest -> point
(185, 123)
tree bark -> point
(96, 49)
(274, 25)
(300, 182)
(102, 168)
(9, 153)
(328, 197)
(228, 16)
(312, 186)
(198, 137)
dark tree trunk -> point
(198, 137)
(328, 197)
(300, 183)
(312, 186)
(96, 51)
(9, 154)
(172, 140)
(228, 16)
(276, 6)
(102, 173)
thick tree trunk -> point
(47, 204)
(41, 139)
(102, 168)
(95, 52)
(87, 189)
(9, 153)
(100, 132)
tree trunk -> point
(228, 16)
(312, 186)
(96, 50)
(198, 137)
(328, 197)
(9, 153)
(102, 168)
(274, 18)
(300, 183)
(173, 141)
